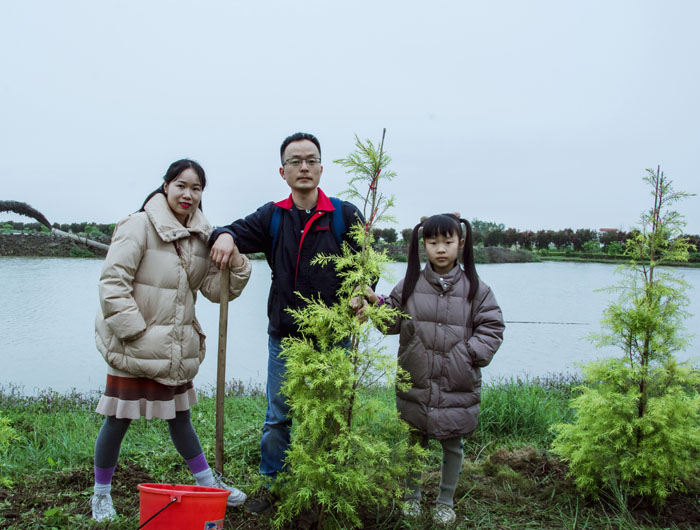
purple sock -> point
(103, 480)
(103, 475)
(197, 464)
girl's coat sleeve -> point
(487, 326)
(394, 301)
(115, 287)
(239, 276)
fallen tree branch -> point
(22, 208)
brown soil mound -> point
(531, 462)
(44, 245)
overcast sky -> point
(534, 114)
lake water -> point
(48, 307)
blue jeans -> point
(276, 430)
(277, 427)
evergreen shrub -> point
(349, 449)
(637, 423)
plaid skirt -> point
(126, 396)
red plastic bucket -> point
(183, 507)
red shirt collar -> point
(323, 204)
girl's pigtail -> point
(413, 268)
(468, 261)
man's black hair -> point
(295, 138)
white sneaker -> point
(411, 509)
(102, 508)
(443, 515)
(236, 498)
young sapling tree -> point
(637, 424)
(349, 450)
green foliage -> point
(79, 252)
(510, 237)
(494, 238)
(543, 238)
(615, 248)
(486, 226)
(637, 424)
(610, 444)
(526, 239)
(56, 518)
(349, 449)
(367, 166)
(592, 247)
(389, 235)
(92, 231)
(522, 409)
(581, 236)
(8, 435)
(562, 238)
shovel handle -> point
(221, 370)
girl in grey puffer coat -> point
(456, 327)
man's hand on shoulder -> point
(224, 252)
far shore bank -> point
(606, 258)
(49, 245)
(42, 245)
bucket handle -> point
(175, 498)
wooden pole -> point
(221, 370)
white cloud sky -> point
(538, 114)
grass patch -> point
(509, 479)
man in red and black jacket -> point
(291, 233)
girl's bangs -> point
(441, 225)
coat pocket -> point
(461, 374)
(148, 355)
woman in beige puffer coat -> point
(146, 328)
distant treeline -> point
(92, 230)
(490, 234)
(486, 234)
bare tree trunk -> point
(80, 239)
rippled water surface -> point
(48, 307)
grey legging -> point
(452, 455)
(109, 440)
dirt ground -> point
(533, 474)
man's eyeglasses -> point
(297, 162)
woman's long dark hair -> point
(440, 225)
(171, 174)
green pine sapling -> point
(637, 425)
(349, 450)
